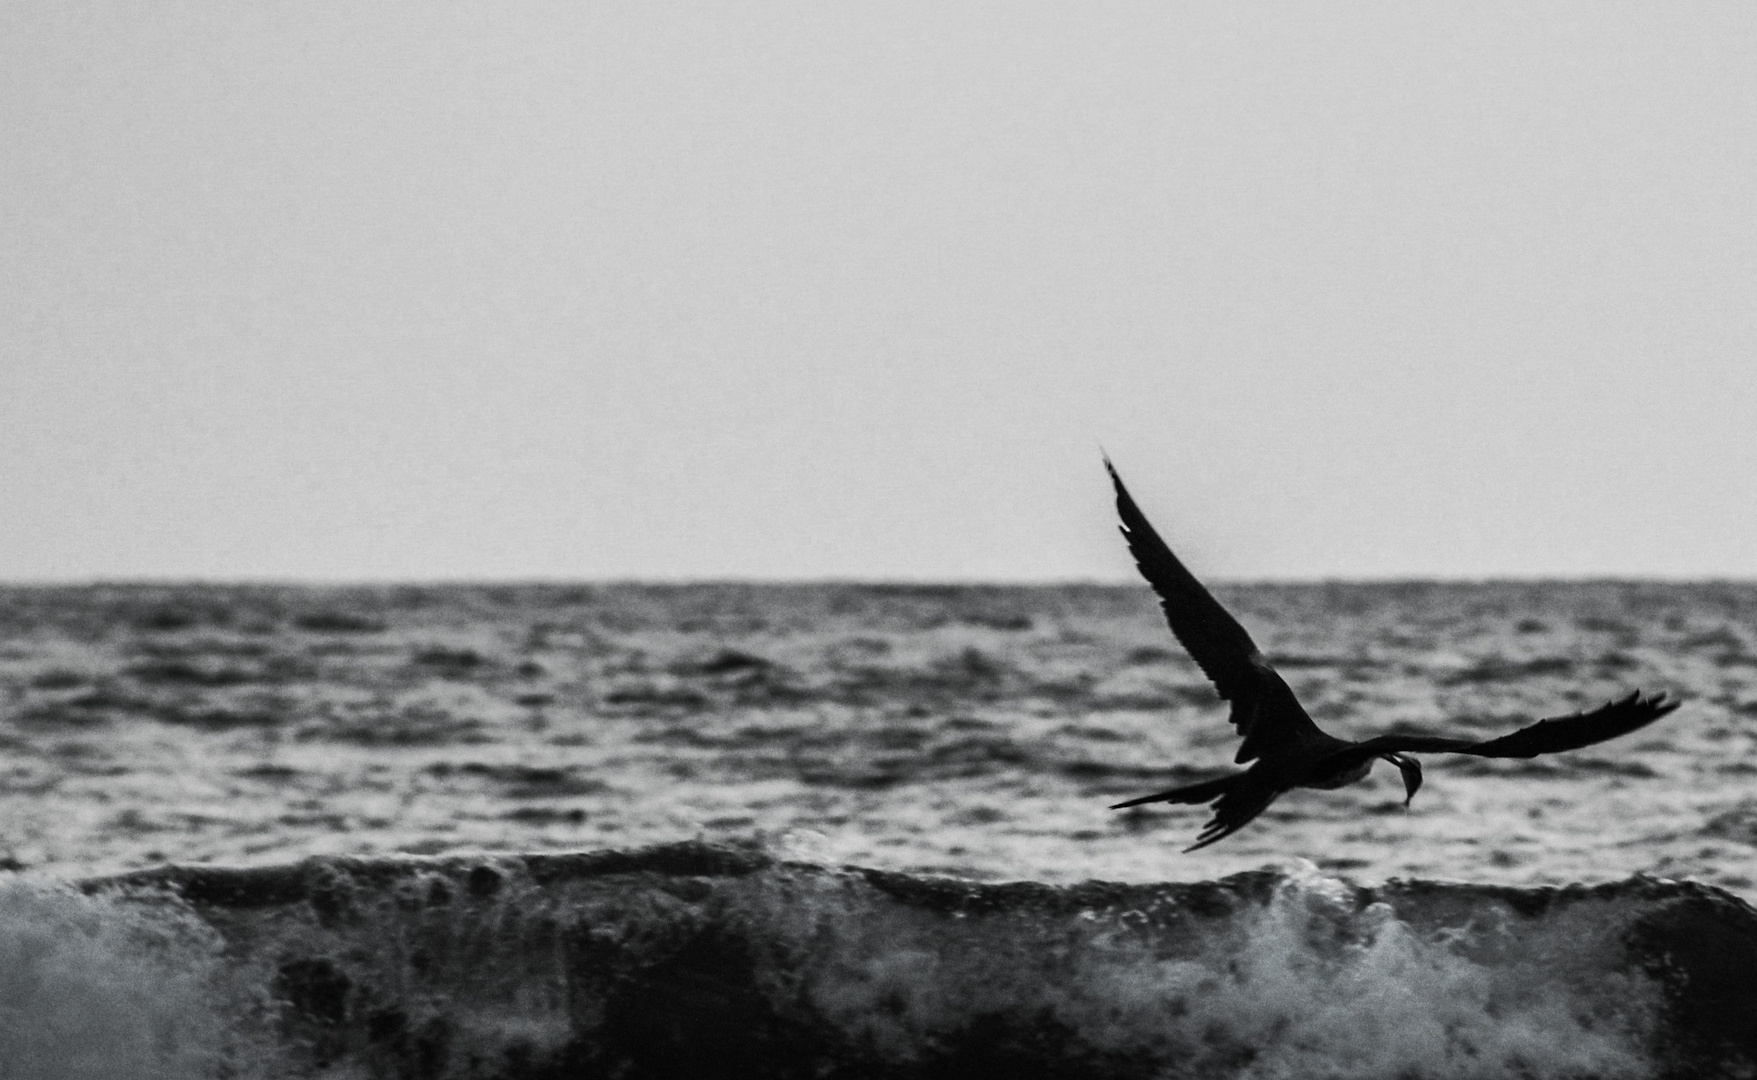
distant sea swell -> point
(707, 960)
(978, 731)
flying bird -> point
(1287, 750)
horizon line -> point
(151, 582)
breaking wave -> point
(710, 961)
(96, 987)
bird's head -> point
(1411, 770)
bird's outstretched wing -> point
(1549, 736)
(1579, 729)
(1263, 708)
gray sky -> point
(586, 290)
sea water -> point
(973, 733)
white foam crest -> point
(95, 989)
(1391, 1002)
(1305, 987)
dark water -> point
(712, 961)
(970, 732)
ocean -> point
(868, 751)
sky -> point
(432, 291)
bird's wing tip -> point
(1660, 701)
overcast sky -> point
(597, 290)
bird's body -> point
(1284, 747)
(1342, 777)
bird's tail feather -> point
(1206, 791)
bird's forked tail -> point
(1206, 791)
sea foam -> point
(100, 987)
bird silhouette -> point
(1286, 748)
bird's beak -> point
(1411, 770)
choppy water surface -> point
(971, 731)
